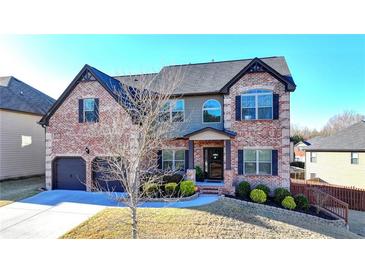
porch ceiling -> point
(208, 133)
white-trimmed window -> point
(173, 110)
(212, 111)
(354, 158)
(257, 105)
(89, 110)
(257, 162)
(173, 159)
(313, 157)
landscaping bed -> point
(270, 202)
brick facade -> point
(67, 137)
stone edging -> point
(181, 199)
(337, 223)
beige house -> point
(22, 139)
(338, 159)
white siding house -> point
(22, 139)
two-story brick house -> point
(238, 126)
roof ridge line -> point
(225, 61)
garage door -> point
(103, 181)
(69, 173)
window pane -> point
(167, 165)
(265, 155)
(250, 155)
(167, 155)
(178, 105)
(265, 100)
(180, 155)
(256, 91)
(179, 165)
(88, 104)
(166, 107)
(178, 116)
(249, 114)
(90, 116)
(265, 168)
(211, 116)
(212, 104)
(355, 155)
(164, 116)
(248, 101)
(265, 113)
(250, 168)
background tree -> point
(341, 121)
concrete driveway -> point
(50, 214)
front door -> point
(213, 163)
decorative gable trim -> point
(257, 65)
(87, 73)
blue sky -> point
(329, 70)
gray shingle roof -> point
(348, 139)
(18, 96)
(204, 77)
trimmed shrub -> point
(301, 201)
(199, 176)
(289, 203)
(243, 189)
(280, 193)
(171, 189)
(187, 188)
(151, 190)
(258, 196)
(264, 188)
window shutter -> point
(274, 161)
(159, 159)
(238, 108)
(96, 110)
(240, 162)
(81, 110)
(186, 159)
(275, 105)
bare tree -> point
(341, 121)
(130, 145)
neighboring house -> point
(238, 126)
(22, 139)
(299, 153)
(340, 158)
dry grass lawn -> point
(226, 219)
(14, 190)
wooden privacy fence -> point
(322, 200)
(354, 197)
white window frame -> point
(84, 109)
(173, 158)
(256, 95)
(311, 157)
(170, 110)
(215, 108)
(257, 162)
(354, 158)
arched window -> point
(212, 111)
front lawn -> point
(14, 190)
(226, 219)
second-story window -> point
(257, 105)
(354, 158)
(212, 111)
(88, 110)
(313, 157)
(173, 110)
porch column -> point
(228, 154)
(191, 154)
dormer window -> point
(257, 105)
(212, 111)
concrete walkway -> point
(51, 214)
(357, 222)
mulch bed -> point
(270, 202)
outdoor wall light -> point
(87, 150)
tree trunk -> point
(134, 223)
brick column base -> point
(228, 182)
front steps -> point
(210, 188)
